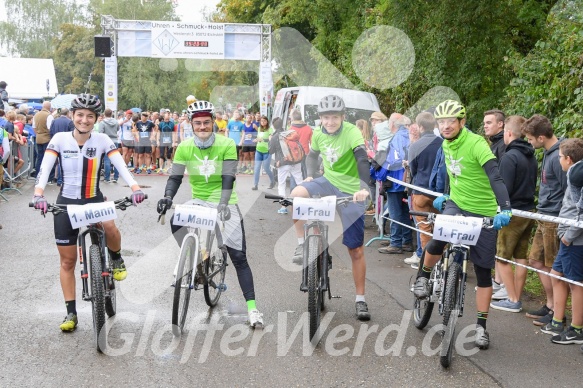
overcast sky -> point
(188, 10)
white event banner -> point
(110, 84)
(265, 87)
(317, 209)
(92, 213)
(195, 216)
(188, 40)
(457, 229)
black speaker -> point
(102, 46)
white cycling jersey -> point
(81, 165)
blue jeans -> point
(40, 150)
(399, 211)
(107, 168)
(262, 159)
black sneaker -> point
(569, 336)
(362, 313)
(546, 320)
(553, 328)
(544, 310)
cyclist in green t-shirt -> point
(346, 173)
(211, 164)
(476, 189)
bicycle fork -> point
(461, 257)
(97, 237)
(320, 230)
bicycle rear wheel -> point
(314, 290)
(97, 297)
(423, 308)
(451, 291)
(182, 289)
(216, 260)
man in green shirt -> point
(476, 189)
(211, 163)
(346, 173)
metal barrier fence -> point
(381, 215)
(12, 177)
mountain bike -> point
(447, 281)
(317, 260)
(96, 271)
(202, 261)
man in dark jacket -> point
(422, 155)
(518, 168)
(494, 131)
(553, 183)
(110, 126)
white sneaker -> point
(501, 294)
(414, 259)
(255, 318)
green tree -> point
(33, 25)
(549, 80)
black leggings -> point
(238, 258)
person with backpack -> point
(288, 154)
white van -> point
(359, 105)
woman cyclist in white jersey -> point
(80, 155)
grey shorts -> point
(234, 233)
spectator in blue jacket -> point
(396, 197)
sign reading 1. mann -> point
(188, 40)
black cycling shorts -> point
(64, 233)
(249, 148)
(143, 149)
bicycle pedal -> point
(335, 297)
(222, 287)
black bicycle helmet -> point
(198, 107)
(87, 101)
(331, 104)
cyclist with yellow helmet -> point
(476, 189)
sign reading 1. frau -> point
(319, 209)
(92, 213)
(457, 229)
(195, 216)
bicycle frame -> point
(97, 236)
(320, 229)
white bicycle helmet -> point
(331, 104)
(200, 107)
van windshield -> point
(352, 114)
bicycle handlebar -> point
(55, 208)
(288, 201)
(488, 222)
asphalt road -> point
(218, 347)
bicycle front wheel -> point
(451, 291)
(215, 267)
(184, 275)
(97, 297)
(314, 286)
(423, 308)
(110, 299)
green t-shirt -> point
(338, 157)
(470, 187)
(263, 146)
(204, 167)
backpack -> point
(291, 147)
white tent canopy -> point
(27, 77)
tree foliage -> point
(33, 26)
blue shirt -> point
(235, 129)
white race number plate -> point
(91, 213)
(195, 216)
(457, 229)
(318, 209)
